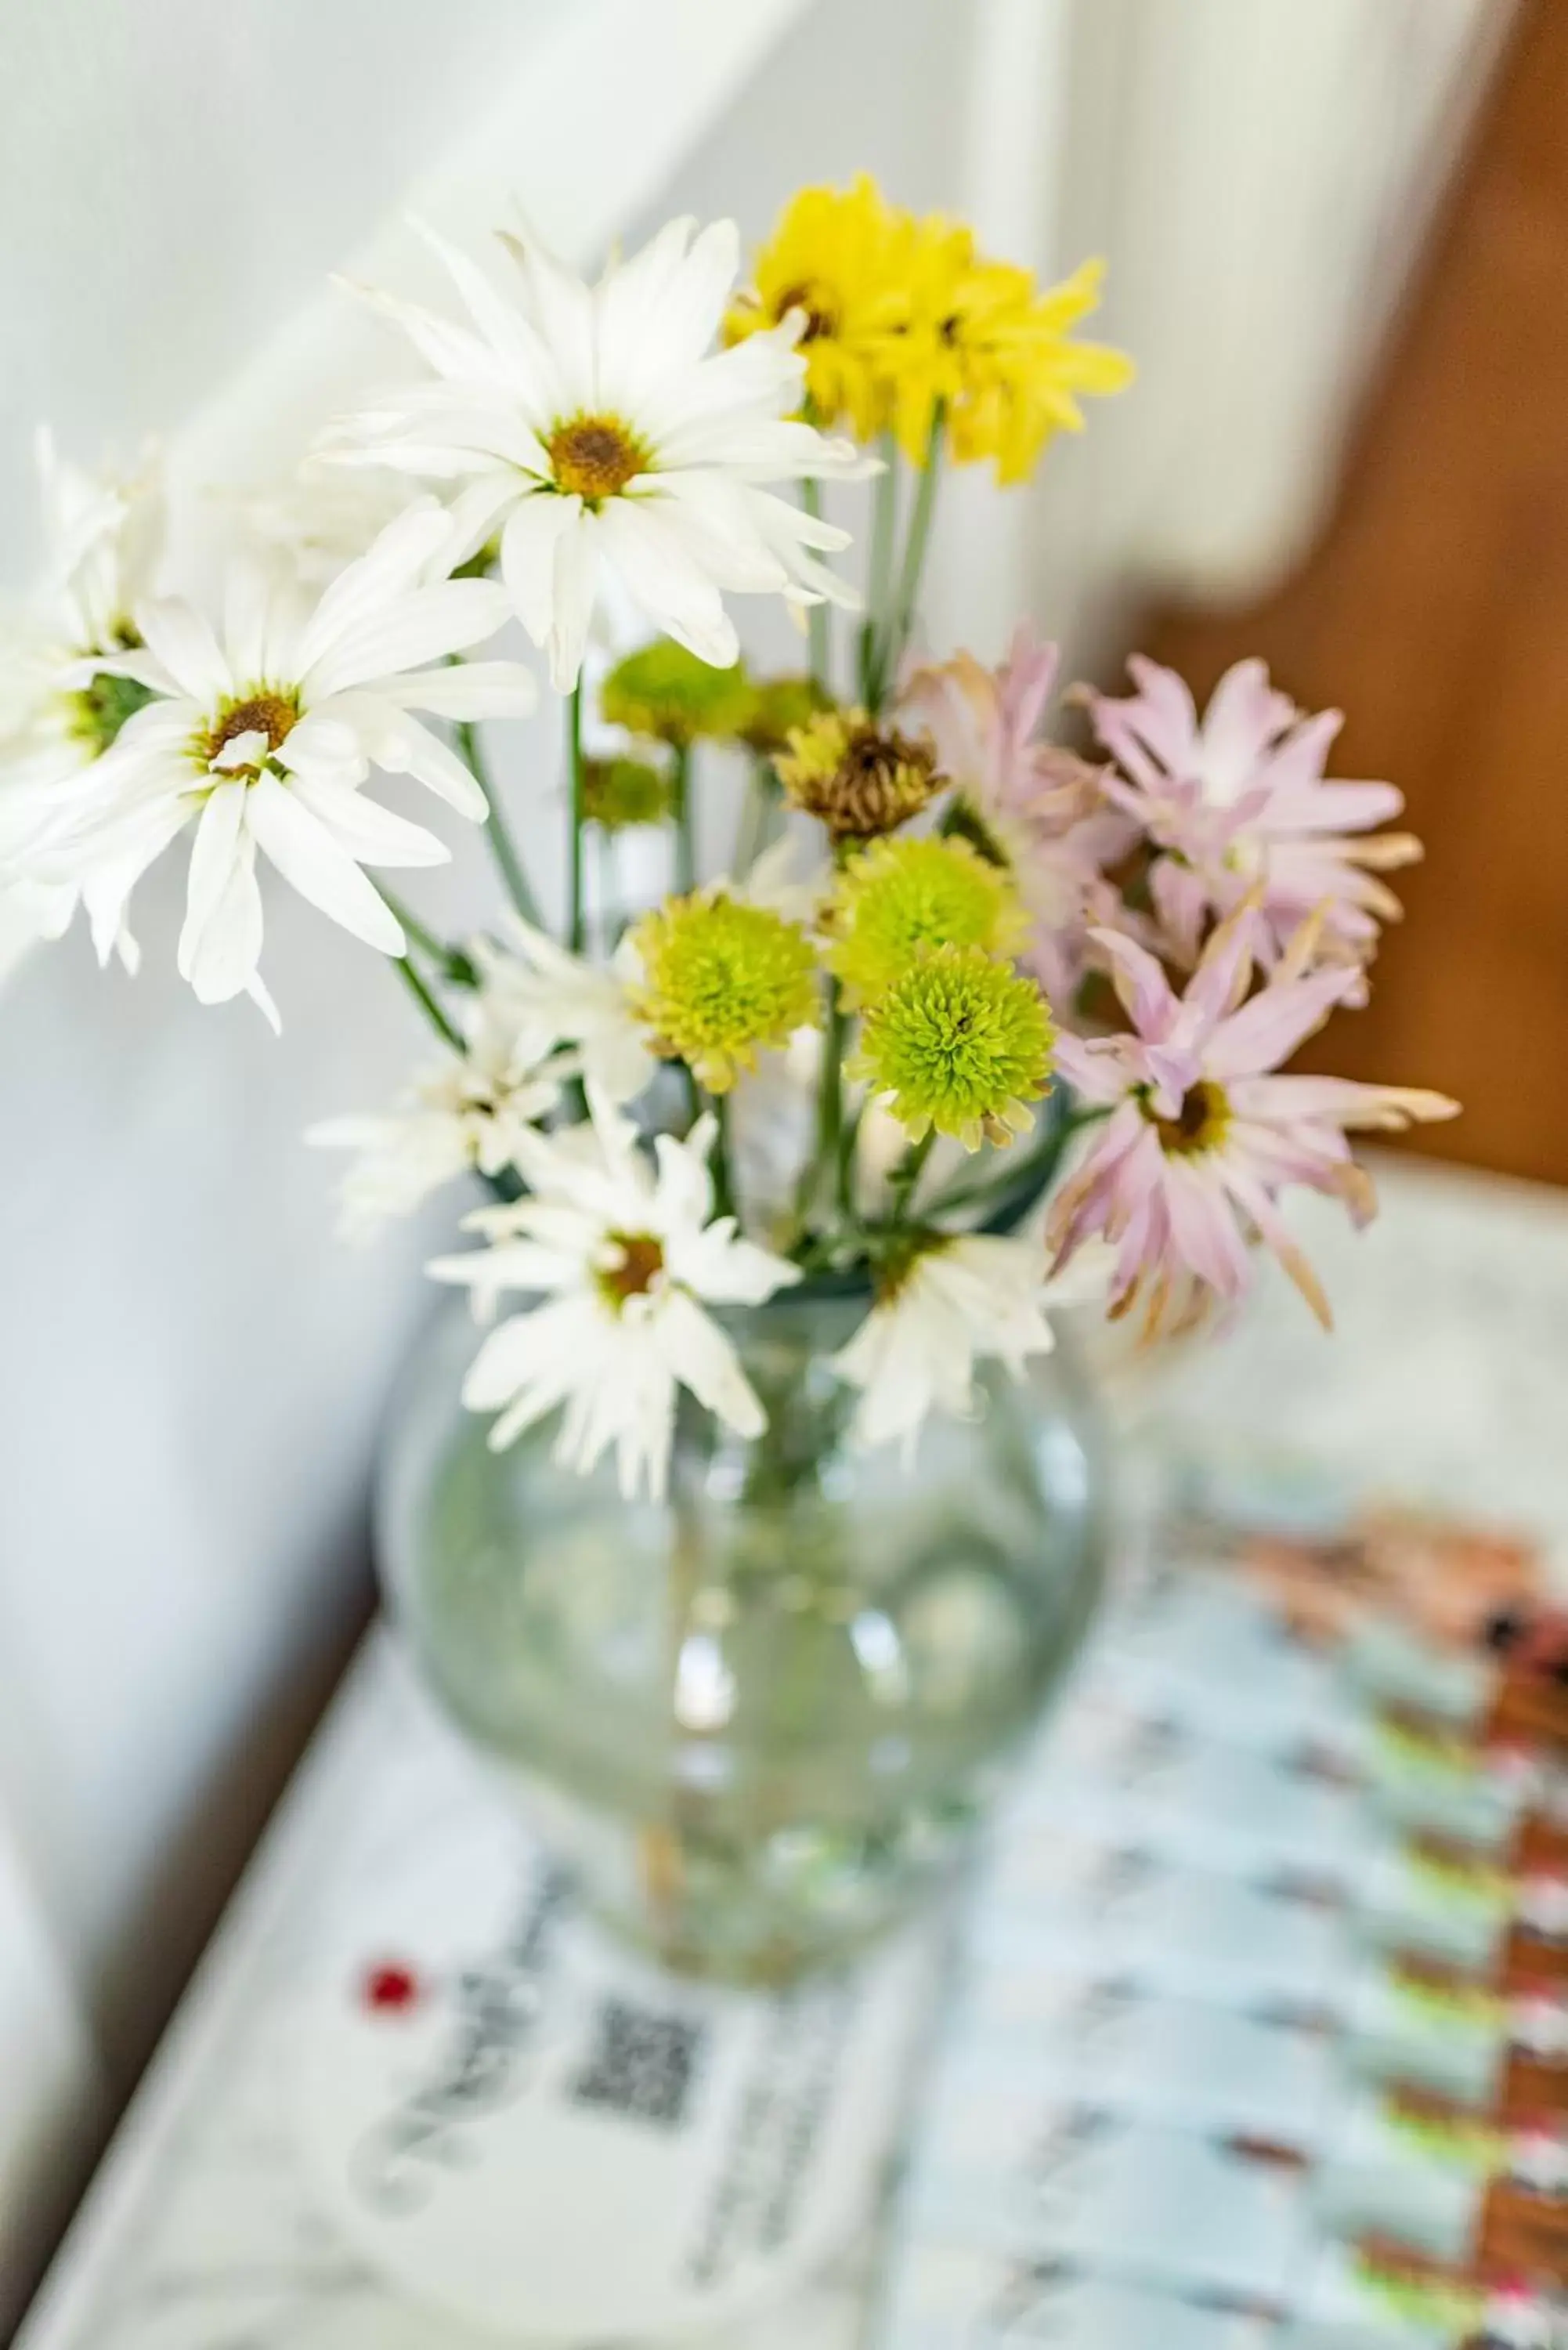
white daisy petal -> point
(647, 549)
(483, 689)
(577, 564)
(313, 862)
(522, 352)
(420, 627)
(703, 1360)
(247, 608)
(534, 531)
(111, 873)
(479, 508)
(213, 854)
(407, 748)
(326, 747)
(370, 833)
(222, 960)
(188, 649)
(387, 571)
(450, 350)
(563, 312)
(631, 306)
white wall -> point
(190, 1364)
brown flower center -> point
(1198, 1125)
(821, 311)
(641, 1262)
(273, 715)
(593, 457)
(858, 778)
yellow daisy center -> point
(267, 712)
(594, 457)
(1198, 1125)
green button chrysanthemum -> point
(899, 899)
(618, 792)
(97, 712)
(962, 1041)
(663, 691)
(720, 980)
(780, 705)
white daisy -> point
(58, 709)
(321, 517)
(596, 430)
(263, 736)
(464, 1113)
(550, 998)
(623, 1258)
(957, 1302)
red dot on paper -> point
(392, 1990)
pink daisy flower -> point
(1037, 808)
(1237, 801)
(1202, 1138)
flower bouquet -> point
(768, 1549)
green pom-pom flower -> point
(961, 1042)
(618, 792)
(97, 712)
(720, 980)
(779, 706)
(663, 691)
(900, 898)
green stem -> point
(878, 575)
(455, 967)
(721, 1163)
(1033, 1172)
(685, 822)
(577, 934)
(902, 619)
(426, 1001)
(848, 1141)
(823, 1162)
(752, 837)
(502, 846)
(906, 1174)
(693, 1094)
(817, 614)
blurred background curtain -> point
(191, 1366)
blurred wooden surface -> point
(1435, 612)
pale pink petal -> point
(1267, 1030)
(1243, 717)
(1140, 982)
(1203, 1227)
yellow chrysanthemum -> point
(899, 900)
(961, 1042)
(721, 980)
(841, 256)
(995, 353)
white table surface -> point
(1447, 1381)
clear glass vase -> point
(764, 1718)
